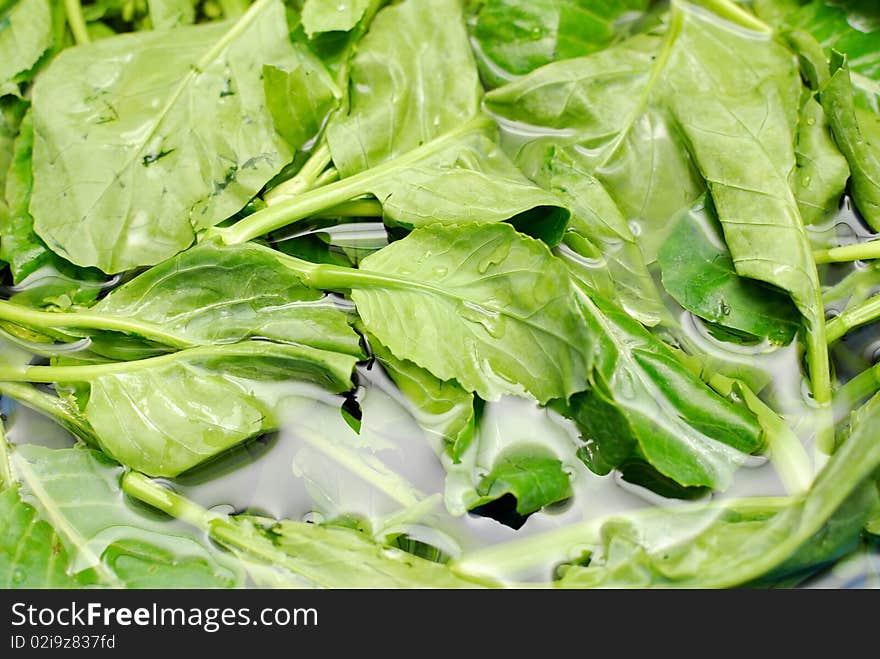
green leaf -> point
(534, 478)
(739, 116)
(598, 238)
(607, 105)
(442, 408)
(167, 14)
(25, 34)
(31, 553)
(137, 140)
(325, 16)
(518, 36)
(858, 135)
(299, 98)
(463, 176)
(699, 273)
(104, 541)
(644, 405)
(724, 548)
(167, 414)
(486, 297)
(851, 27)
(822, 171)
(216, 294)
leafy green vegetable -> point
(31, 553)
(343, 15)
(430, 156)
(98, 539)
(165, 414)
(25, 34)
(699, 273)
(491, 296)
(857, 136)
(644, 405)
(595, 219)
(518, 36)
(217, 294)
(162, 109)
(438, 294)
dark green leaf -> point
(529, 474)
(644, 404)
(857, 133)
(699, 273)
(518, 36)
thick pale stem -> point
(304, 180)
(144, 489)
(75, 20)
(858, 252)
(48, 405)
(320, 200)
(27, 317)
(862, 314)
(85, 373)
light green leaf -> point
(31, 553)
(103, 540)
(857, 133)
(332, 15)
(25, 34)
(598, 239)
(822, 171)
(167, 414)
(725, 548)
(167, 14)
(138, 139)
(216, 294)
(443, 409)
(498, 311)
(607, 107)
(300, 97)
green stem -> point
(50, 406)
(49, 374)
(560, 544)
(21, 315)
(321, 199)
(330, 175)
(6, 479)
(144, 489)
(304, 179)
(861, 387)
(862, 314)
(857, 252)
(357, 208)
(75, 20)
(736, 14)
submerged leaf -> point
(645, 405)
(142, 139)
(499, 312)
(699, 273)
(101, 540)
(216, 294)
